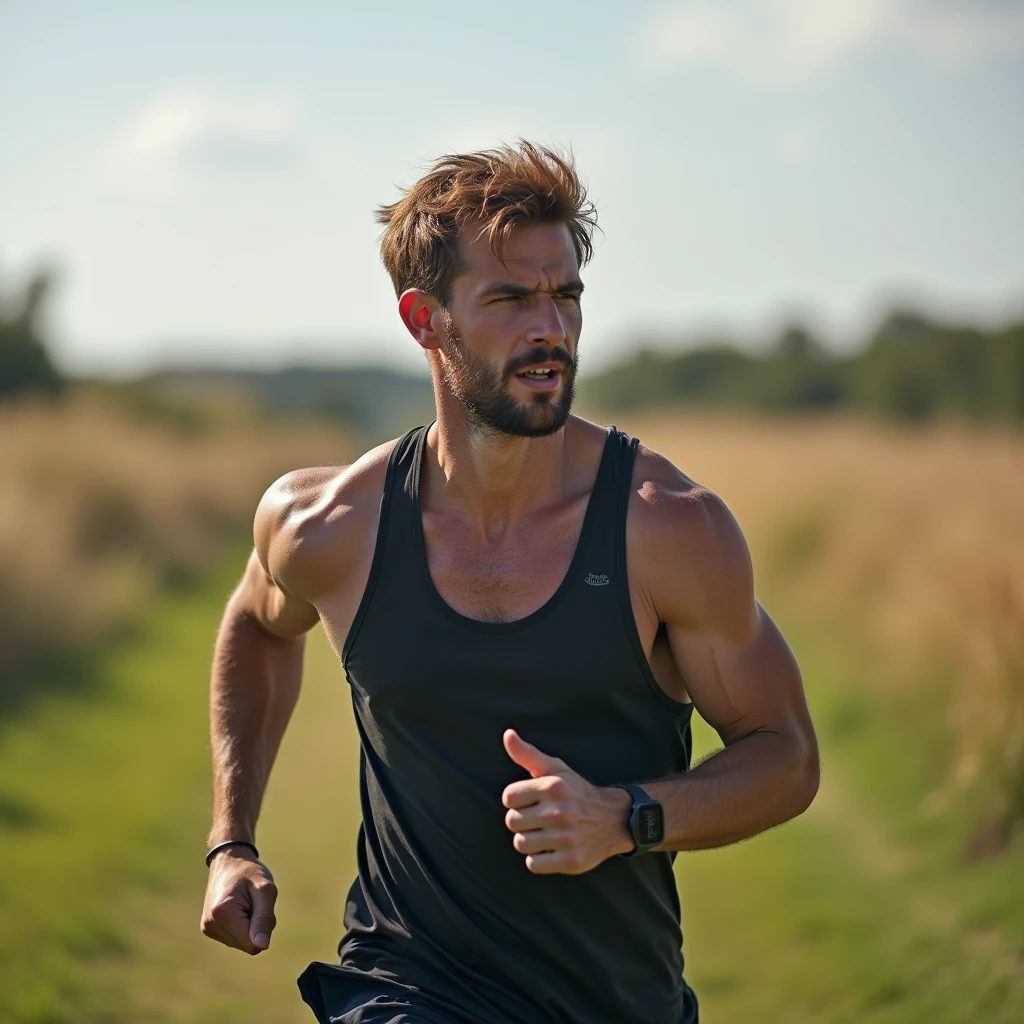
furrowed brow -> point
(506, 289)
(575, 285)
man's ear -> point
(420, 312)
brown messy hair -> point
(497, 188)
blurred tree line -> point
(25, 363)
(911, 369)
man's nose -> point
(549, 326)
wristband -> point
(230, 842)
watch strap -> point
(640, 796)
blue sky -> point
(204, 174)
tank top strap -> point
(624, 460)
(602, 536)
(394, 522)
(622, 475)
(611, 488)
(624, 450)
(418, 445)
(401, 485)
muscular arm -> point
(741, 676)
(767, 772)
(254, 684)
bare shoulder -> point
(313, 524)
(688, 548)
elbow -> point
(807, 774)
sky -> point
(203, 175)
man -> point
(527, 607)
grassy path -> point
(855, 912)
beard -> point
(485, 394)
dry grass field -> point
(100, 506)
(892, 559)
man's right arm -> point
(254, 685)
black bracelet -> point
(230, 842)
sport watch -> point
(646, 820)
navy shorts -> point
(342, 995)
(338, 995)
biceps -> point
(277, 612)
(741, 688)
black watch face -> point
(650, 824)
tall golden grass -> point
(916, 536)
(99, 507)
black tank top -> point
(444, 906)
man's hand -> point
(564, 824)
(240, 897)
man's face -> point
(512, 330)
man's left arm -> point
(750, 692)
(743, 679)
(741, 675)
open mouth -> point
(544, 378)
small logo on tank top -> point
(597, 580)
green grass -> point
(858, 911)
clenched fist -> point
(240, 897)
(563, 823)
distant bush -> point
(912, 369)
(24, 361)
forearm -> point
(254, 685)
(757, 782)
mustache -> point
(540, 355)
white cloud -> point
(187, 131)
(779, 42)
(691, 34)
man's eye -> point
(572, 296)
(508, 298)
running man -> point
(527, 607)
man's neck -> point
(492, 478)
